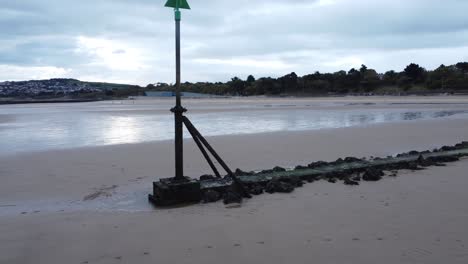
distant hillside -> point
(56, 88)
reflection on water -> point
(38, 130)
(122, 127)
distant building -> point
(160, 94)
(183, 94)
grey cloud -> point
(301, 36)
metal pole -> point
(178, 110)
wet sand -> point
(418, 217)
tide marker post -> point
(178, 110)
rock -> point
(351, 159)
(424, 162)
(413, 152)
(331, 180)
(447, 148)
(278, 186)
(348, 181)
(443, 159)
(317, 164)
(239, 172)
(294, 181)
(299, 167)
(357, 178)
(413, 166)
(275, 169)
(256, 189)
(462, 145)
(339, 161)
(232, 197)
(211, 196)
(341, 174)
(310, 178)
(207, 177)
(278, 169)
(372, 175)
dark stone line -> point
(350, 171)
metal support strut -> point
(197, 136)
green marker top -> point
(182, 4)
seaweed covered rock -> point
(207, 177)
(211, 196)
(294, 181)
(275, 169)
(447, 148)
(256, 189)
(239, 172)
(372, 174)
(276, 185)
(339, 161)
(443, 159)
(348, 181)
(230, 197)
(300, 167)
(317, 164)
(278, 169)
(425, 162)
(331, 180)
(356, 178)
(352, 159)
(462, 145)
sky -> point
(132, 41)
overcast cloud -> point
(132, 41)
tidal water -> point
(29, 128)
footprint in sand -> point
(417, 252)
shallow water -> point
(43, 127)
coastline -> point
(47, 101)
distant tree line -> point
(413, 78)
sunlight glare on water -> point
(29, 128)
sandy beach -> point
(88, 205)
